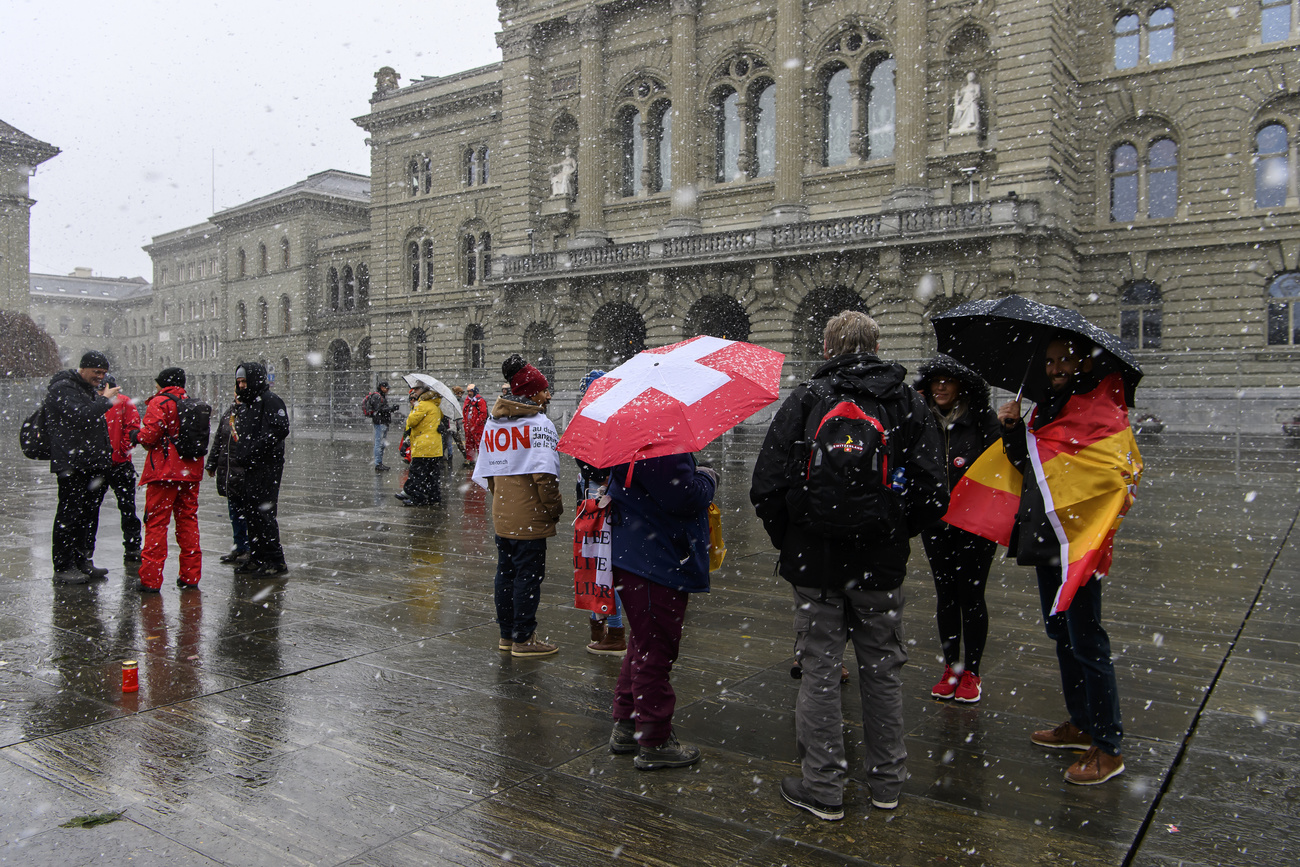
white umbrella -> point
(450, 406)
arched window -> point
(332, 288)
(428, 264)
(616, 334)
(1283, 317)
(812, 314)
(644, 123)
(837, 110)
(363, 286)
(286, 320)
(858, 101)
(241, 313)
(241, 263)
(284, 252)
(419, 349)
(469, 251)
(727, 135)
(261, 258)
(349, 289)
(475, 165)
(633, 152)
(364, 355)
(1272, 166)
(475, 347)
(1144, 180)
(743, 97)
(1276, 21)
(765, 130)
(718, 316)
(263, 318)
(1140, 315)
(476, 256)
(881, 109)
(413, 264)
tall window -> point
(475, 165)
(1276, 20)
(1160, 35)
(1283, 318)
(413, 176)
(765, 131)
(744, 107)
(413, 264)
(427, 249)
(241, 313)
(349, 289)
(241, 263)
(1140, 315)
(286, 320)
(363, 286)
(475, 347)
(261, 258)
(727, 133)
(426, 168)
(476, 257)
(263, 318)
(1272, 166)
(419, 348)
(1144, 180)
(332, 288)
(644, 122)
(858, 99)
(284, 252)
(1136, 38)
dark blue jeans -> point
(1083, 652)
(521, 566)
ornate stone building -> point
(20, 154)
(82, 311)
(634, 173)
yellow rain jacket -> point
(422, 426)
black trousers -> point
(72, 540)
(121, 478)
(960, 562)
(258, 504)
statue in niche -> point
(966, 108)
(386, 81)
(562, 176)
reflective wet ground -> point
(357, 711)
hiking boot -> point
(145, 588)
(947, 684)
(669, 754)
(187, 586)
(614, 642)
(71, 575)
(1066, 736)
(968, 689)
(1094, 767)
(235, 557)
(131, 555)
(504, 645)
(381, 468)
(794, 793)
(249, 567)
(532, 647)
(92, 571)
(622, 739)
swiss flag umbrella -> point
(670, 400)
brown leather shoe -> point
(1066, 736)
(532, 647)
(1094, 767)
(613, 642)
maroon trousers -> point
(655, 614)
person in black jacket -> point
(218, 467)
(849, 587)
(256, 458)
(81, 456)
(959, 560)
(381, 416)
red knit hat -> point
(528, 382)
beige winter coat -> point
(523, 507)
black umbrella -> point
(1003, 340)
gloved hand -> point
(710, 472)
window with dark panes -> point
(428, 264)
(332, 288)
(1140, 315)
(1283, 298)
(349, 289)
(413, 263)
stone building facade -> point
(747, 169)
(20, 154)
(82, 311)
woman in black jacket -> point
(960, 561)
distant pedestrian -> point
(850, 469)
(171, 484)
(380, 411)
(475, 410)
(608, 635)
(256, 455)
(423, 427)
(82, 457)
(218, 468)
(123, 434)
(959, 560)
(520, 467)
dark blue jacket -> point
(660, 522)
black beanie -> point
(513, 365)
(171, 376)
(93, 359)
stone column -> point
(591, 131)
(910, 190)
(519, 84)
(684, 219)
(787, 205)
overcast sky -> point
(138, 95)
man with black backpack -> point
(851, 468)
(171, 432)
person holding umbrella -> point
(959, 560)
(423, 485)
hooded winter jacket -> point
(660, 524)
(527, 506)
(422, 426)
(158, 434)
(123, 427)
(261, 425)
(967, 436)
(75, 425)
(809, 559)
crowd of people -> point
(842, 534)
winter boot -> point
(614, 642)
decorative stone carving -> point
(386, 81)
(590, 26)
(517, 43)
(966, 108)
(562, 175)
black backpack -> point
(195, 419)
(843, 472)
(32, 437)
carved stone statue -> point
(966, 108)
(386, 81)
(562, 176)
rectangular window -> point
(1162, 194)
(1151, 328)
(1279, 324)
(1275, 21)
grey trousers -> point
(873, 619)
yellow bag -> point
(717, 547)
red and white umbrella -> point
(673, 399)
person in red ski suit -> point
(475, 410)
(123, 429)
(171, 487)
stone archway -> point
(617, 333)
(816, 309)
(717, 316)
(539, 348)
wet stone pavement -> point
(357, 711)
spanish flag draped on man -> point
(1087, 466)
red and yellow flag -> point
(1087, 466)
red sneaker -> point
(947, 684)
(968, 688)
